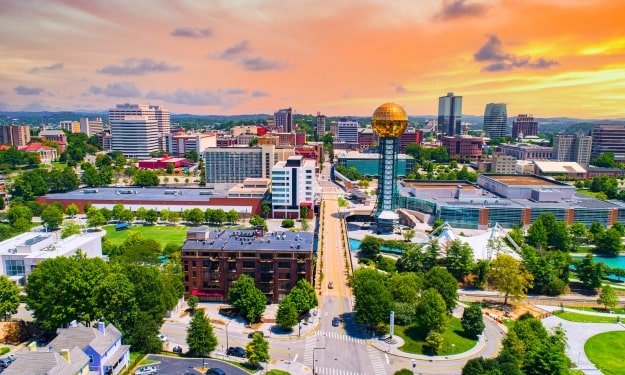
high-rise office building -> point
(283, 119)
(70, 126)
(91, 127)
(235, 164)
(15, 135)
(320, 129)
(450, 114)
(609, 138)
(137, 130)
(524, 126)
(292, 186)
(495, 117)
(569, 147)
(347, 131)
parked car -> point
(177, 350)
(251, 334)
(236, 351)
(215, 371)
(147, 370)
(163, 338)
(336, 321)
(331, 285)
(6, 361)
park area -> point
(605, 351)
(454, 341)
(163, 234)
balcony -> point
(232, 259)
(301, 261)
(266, 260)
(301, 270)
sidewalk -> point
(583, 312)
(290, 367)
(393, 349)
(239, 325)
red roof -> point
(34, 147)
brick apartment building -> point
(213, 259)
(464, 147)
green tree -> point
(403, 372)
(596, 231)
(69, 228)
(232, 216)
(610, 243)
(19, 212)
(265, 208)
(142, 334)
(481, 271)
(52, 217)
(257, 350)
(508, 276)
(431, 312)
(71, 210)
(116, 301)
(434, 340)
(249, 301)
(9, 297)
(605, 159)
(118, 211)
(373, 299)
(288, 223)
(287, 315)
(303, 212)
(151, 216)
(257, 221)
(195, 216)
(405, 287)
(472, 321)
(303, 296)
(608, 297)
(537, 235)
(193, 302)
(590, 273)
(170, 168)
(459, 260)
(200, 336)
(445, 284)
(408, 234)
(141, 212)
(370, 247)
(145, 177)
(164, 214)
(411, 260)
(95, 218)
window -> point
(14, 267)
(248, 255)
(249, 264)
(284, 264)
(284, 276)
(284, 286)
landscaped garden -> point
(584, 318)
(454, 341)
(605, 351)
(160, 233)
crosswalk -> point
(379, 367)
(340, 336)
(308, 351)
(335, 371)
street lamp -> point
(299, 334)
(414, 366)
(227, 343)
(314, 373)
(453, 349)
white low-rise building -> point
(21, 254)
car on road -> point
(147, 370)
(215, 371)
(6, 361)
(163, 338)
(336, 321)
(236, 351)
(330, 285)
(251, 334)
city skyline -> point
(254, 56)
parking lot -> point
(183, 366)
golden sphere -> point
(389, 120)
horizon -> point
(228, 58)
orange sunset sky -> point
(340, 57)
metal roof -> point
(246, 240)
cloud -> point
(400, 89)
(137, 67)
(497, 60)
(30, 91)
(256, 64)
(225, 98)
(235, 51)
(453, 9)
(117, 90)
(48, 68)
(259, 93)
(190, 32)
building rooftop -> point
(360, 155)
(559, 167)
(133, 193)
(45, 245)
(86, 336)
(45, 362)
(524, 180)
(247, 240)
(440, 184)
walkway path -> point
(576, 336)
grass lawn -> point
(414, 339)
(605, 351)
(589, 193)
(162, 234)
(583, 318)
(596, 309)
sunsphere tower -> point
(389, 121)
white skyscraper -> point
(292, 186)
(138, 129)
(347, 131)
